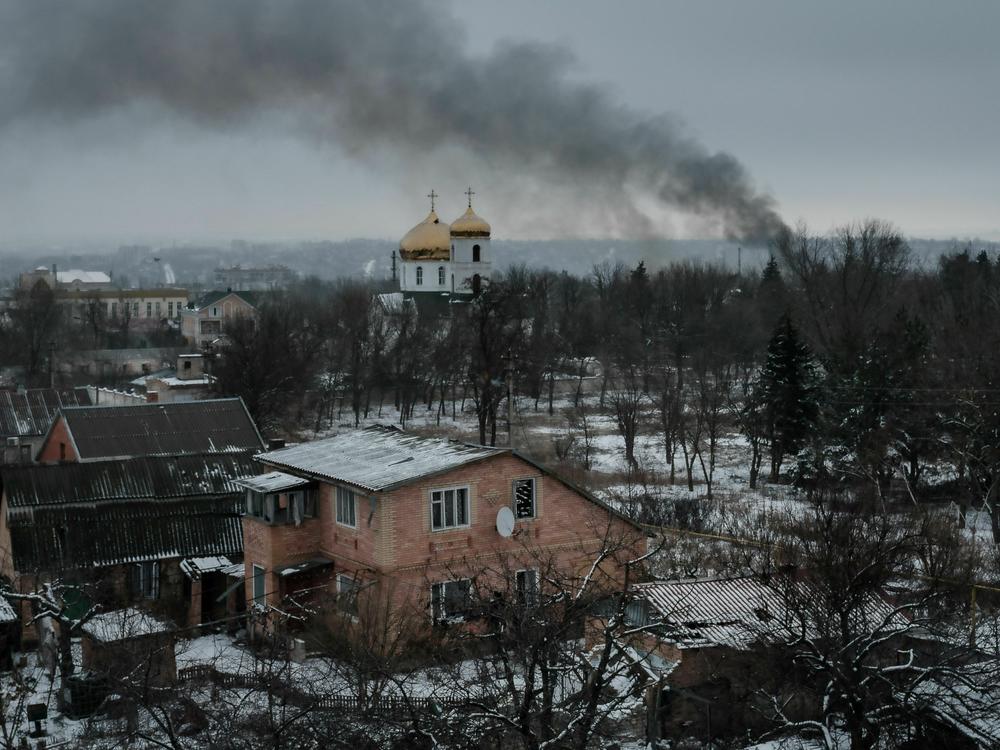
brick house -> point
(414, 520)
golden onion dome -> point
(428, 240)
(470, 225)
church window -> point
(475, 253)
(420, 275)
(440, 275)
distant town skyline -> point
(837, 111)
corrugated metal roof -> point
(7, 613)
(734, 612)
(31, 412)
(273, 481)
(377, 458)
(57, 538)
(144, 478)
(211, 426)
(740, 612)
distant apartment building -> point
(79, 292)
(203, 322)
(73, 279)
(250, 279)
(144, 307)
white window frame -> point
(439, 612)
(441, 276)
(534, 498)
(521, 593)
(420, 275)
(338, 500)
(257, 574)
(468, 507)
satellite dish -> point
(505, 522)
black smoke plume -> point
(367, 75)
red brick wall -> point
(50, 452)
(396, 540)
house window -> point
(449, 508)
(255, 504)
(524, 498)
(114, 309)
(440, 275)
(146, 579)
(475, 253)
(158, 309)
(170, 309)
(62, 451)
(135, 309)
(187, 362)
(450, 600)
(347, 594)
(420, 275)
(302, 505)
(526, 587)
(346, 512)
(258, 584)
(25, 454)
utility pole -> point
(52, 369)
(509, 357)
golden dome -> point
(428, 240)
(470, 225)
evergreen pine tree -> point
(790, 393)
(771, 273)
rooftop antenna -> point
(469, 195)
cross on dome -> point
(432, 195)
(469, 193)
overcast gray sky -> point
(838, 111)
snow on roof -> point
(734, 612)
(273, 481)
(236, 570)
(84, 277)
(194, 567)
(122, 624)
(970, 708)
(377, 458)
(7, 613)
(172, 381)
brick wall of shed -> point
(58, 435)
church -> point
(447, 262)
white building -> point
(446, 259)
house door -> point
(213, 585)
